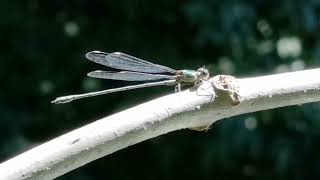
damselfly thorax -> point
(192, 76)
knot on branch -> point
(227, 90)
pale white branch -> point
(195, 108)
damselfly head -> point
(202, 73)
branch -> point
(196, 108)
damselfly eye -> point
(203, 73)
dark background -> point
(43, 44)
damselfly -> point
(136, 69)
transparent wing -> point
(128, 76)
(118, 60)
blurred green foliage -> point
(42, 56)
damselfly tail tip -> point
(62, 100)
(54, 101)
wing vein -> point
(128, 76)
(118, 60)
